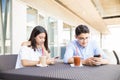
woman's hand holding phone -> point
(57, 57)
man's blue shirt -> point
(90, 50)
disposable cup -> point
(76, 60)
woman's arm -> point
(29, 63)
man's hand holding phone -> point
(97, 59)
(97, 55)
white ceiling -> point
(109, 10)
(90, 11)
(85, 10)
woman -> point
(32, 49)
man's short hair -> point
(81, 29)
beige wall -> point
(18, 25)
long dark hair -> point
(36, 31)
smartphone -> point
(97, 55)
(57, 57)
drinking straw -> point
(42, 52)
(76, 51)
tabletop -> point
(61, 71)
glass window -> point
(41, 20)
(53, 36)
(5, 33)
(31, 20)
(67, 30)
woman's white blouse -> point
(27, 53)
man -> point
(84, 48)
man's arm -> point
(69, 53)
(71, 60)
